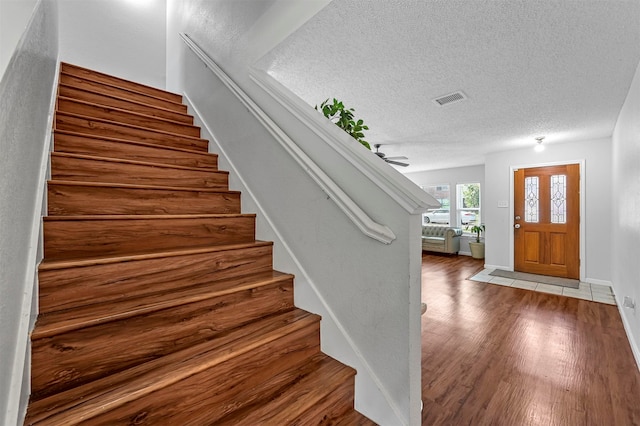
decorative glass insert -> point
(531, 199)
(559, 199)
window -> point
(468, 206)
(442, 215)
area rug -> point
(563, 282)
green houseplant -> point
(342, 117)
(477, 247)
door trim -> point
(581, 163)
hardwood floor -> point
(494, 355)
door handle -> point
(517, 226)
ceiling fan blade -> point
(402, 157)
(397, 163)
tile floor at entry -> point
(586, 291)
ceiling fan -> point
(390, 160)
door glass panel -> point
(531, 199)
(558, 199)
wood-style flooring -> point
(494, 355)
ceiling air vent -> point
(450, 98)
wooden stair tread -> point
(75, 237)
(59, 322)
(87, 168)
(120, 92)
(105, 99)
(118, 81)
(87, 401)
(302, 395)
(145, 217)
(133, 142)
(49, 264)
(69, 198)
(90, 109)
(90, 125)
(139, 163)
(160, 132)
(139, 186)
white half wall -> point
(371, 289)
(596, 221)
(124, 38)
(626, 212)
(26, 91)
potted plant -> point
(342, 117)
(477, 247)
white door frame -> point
(512, 169)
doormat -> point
(563, 282)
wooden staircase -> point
(157, 305)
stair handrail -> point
(408, 195)
(361, 219)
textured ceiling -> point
(559, 69)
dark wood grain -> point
(123, 93)
(116, 102)
(86, 344)
(118, 82)
(101, 146)
(494, 355)
(79, 237)
(107, 396)
(82, 168)
(298, 398)
(100, 127)
(66, 198)
(156, 304)
(87, 109)
(64, 285)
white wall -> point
(452, 177)
(14, 18)
(598, 202)
(372, 289)
(26, 91)
(626, 211)
(125, 38)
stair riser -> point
(96, 170)
(111, 101)
(119, 82)
(87, 145)
(90, 200)
(97, 127)
(73, 106)
(80, 356)
(203, 398)
(108, 283)
(81, 239)
(102, 88)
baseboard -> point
(598, 282)
(464, 253)
(635, 349)
(504, 268)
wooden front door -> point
(547, 220)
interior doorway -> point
(547, 220)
